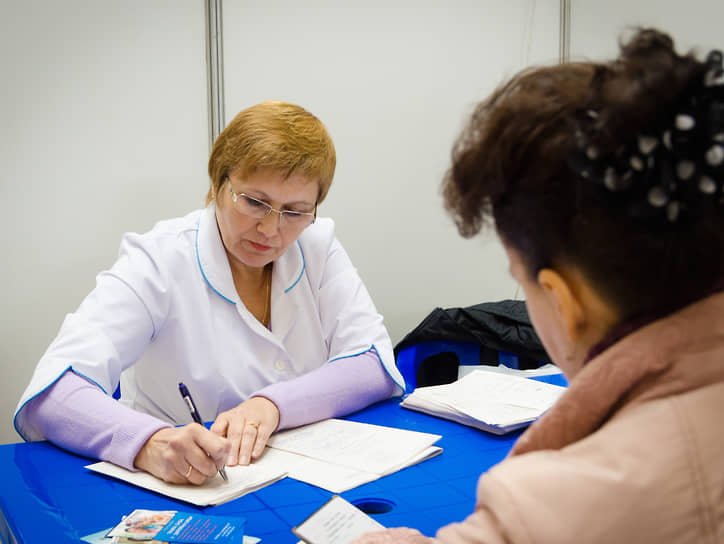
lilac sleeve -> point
(78, 416)
(334, 389)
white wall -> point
(104, 130)
(393, 81)
(596, 26)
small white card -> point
(336, 522)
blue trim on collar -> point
(201, 268)
(304, 267)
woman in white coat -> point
(251, 302)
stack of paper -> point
(491, 401)
(338, 455)
(334, 454)
(242, 480)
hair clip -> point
(666, 171)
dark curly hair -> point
(511, 169)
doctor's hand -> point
(248, 426)
(188, 454)
(398, 535)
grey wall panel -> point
(104, 130)
(596, 26)
(394, 82)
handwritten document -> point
(333, 454)
(338, 455)
(336, 522)
(372, 448)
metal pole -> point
(215, 69)
(564, 52)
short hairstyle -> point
(511, 169)
(279, 136)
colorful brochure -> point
(153, 526)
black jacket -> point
(496, 326)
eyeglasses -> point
(258, 209)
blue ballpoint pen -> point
(195, 416)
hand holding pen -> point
(183, 455)
(197, 418)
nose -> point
(269, 224)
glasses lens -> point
(253, 207)
(258, 209)
(296, 218)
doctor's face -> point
(251, 238)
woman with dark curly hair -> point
(604, 182)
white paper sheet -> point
(336, 522)
(362, 446)
(334, 454)
(242, 480)
(487, 400)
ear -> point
(562, 296)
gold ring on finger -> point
(254, 424)
(188, 472)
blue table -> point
(47, 496)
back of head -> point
(615, 168)
(278, 136)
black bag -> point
(497, 327)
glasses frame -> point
(269, 209)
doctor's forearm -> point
(332, 390)
(77, 415)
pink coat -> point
(632, 452)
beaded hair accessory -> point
(672, 168)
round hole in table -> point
(374, 505)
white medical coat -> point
(168, 312)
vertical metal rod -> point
(215, 69)
(564, 51)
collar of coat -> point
(214, 263)
(678, 353)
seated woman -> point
(605, 185)
(251, 302)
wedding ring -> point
(188, 472)
(253, 424)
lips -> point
(259, 247)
